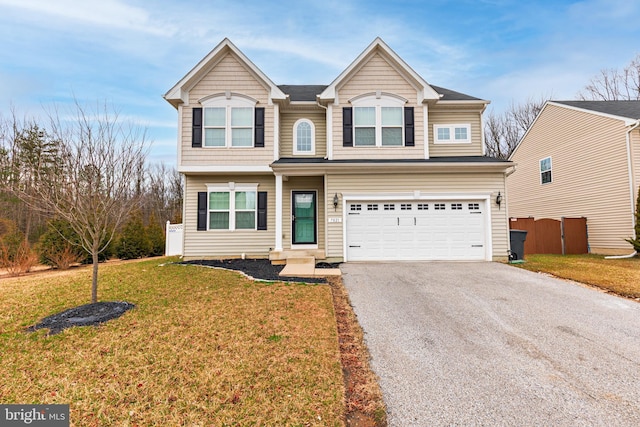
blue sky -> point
(130, 52)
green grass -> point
(202, 347)
(620, 276)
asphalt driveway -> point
(490, 344)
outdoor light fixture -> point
(335, 202)
(498, 199)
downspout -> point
(631, 186)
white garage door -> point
(410, 230)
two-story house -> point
(378, 165)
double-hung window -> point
(228, 121)
(304, 140)
(545, 170)
(232, 207)
(378, 121)
(452, 134)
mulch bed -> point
(261, 269)
(84, 315)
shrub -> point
(15, 252)
(155, 235)
(636, 242)
(133, 241)
(60, 246)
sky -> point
(128, 53)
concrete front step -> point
(306, 267)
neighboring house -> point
(378, 165)
(581, 159)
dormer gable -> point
(179, 93)
(425, 93)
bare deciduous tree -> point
(92, 183)
(503, 132)
(613, 84)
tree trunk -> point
(94, 279)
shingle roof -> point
(309, 92)
(446, 159)
(302, 92)
(628, 109)
(452, 95)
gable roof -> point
(452, 95)
(178, 94)
(426, 92)
(620, 109)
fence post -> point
(166, 239)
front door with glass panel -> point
(304, 218)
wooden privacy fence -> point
(550, 236)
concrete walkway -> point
(491, 344)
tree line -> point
(77, 186)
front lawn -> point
(202, 347)
(620, 276)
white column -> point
(278, 244)
(425, 125)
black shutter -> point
(202, 210)
(347, 127)
(409, 134)
(259, 127)
(196, 128)
(262, 210)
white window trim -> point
(232, 188)
(228, 101)
(379, 100)
(540, 171)
(311, 152)
(452, 133)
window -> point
(372, 207)
(474, 206)
(545, 170)
(232, 207)
(423, 206)
(456, 206)
(378, 121)
(452, 134)
(304, 137)
(228, 121)
(439, 206)
(389, 207)
(356, 207)
(405, 206)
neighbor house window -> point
(304, 137)
(228, 121)
(378, 121)
(545, 170)
(452, 134)
(232, 207)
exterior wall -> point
(225, 243)
(377, 74)
(288, 119)
(442, 183)
(439, 115)
(228, 75)
(302, 183)
(635, 153)
(590, 175)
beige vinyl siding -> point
(288, 119)
(441, 183)
(377, 74)
(449, 117)
(227, 75)
(225, 243)
(301, 183)
(589, 175)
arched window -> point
(304, 137)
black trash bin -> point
(517, 238)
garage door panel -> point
(409, 230)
